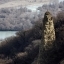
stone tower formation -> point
(48, 38)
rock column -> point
(48, 38)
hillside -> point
(23, 18)
(24, 47)
(14, 3)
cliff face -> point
(48, 38)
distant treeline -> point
(20, 18)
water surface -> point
(6, 34)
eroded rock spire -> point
(48, 32)
(48, 38)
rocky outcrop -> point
(48, 38)
(48, 32)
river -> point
(6, 34)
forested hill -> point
(24, 47)
(21, 18)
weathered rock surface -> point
(48, 38)
(48, 34)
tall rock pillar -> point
(48, 38)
